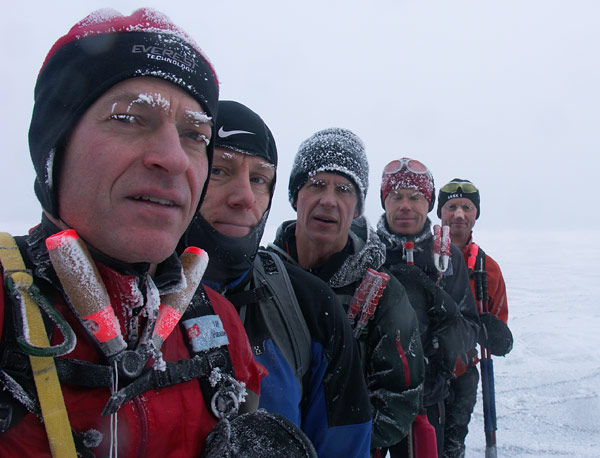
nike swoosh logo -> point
(228, 133)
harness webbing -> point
(54, 411)
(52, 403)
(473, 251)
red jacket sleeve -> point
(498, 303)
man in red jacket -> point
(121, 139)
(459, 208)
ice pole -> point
(85, 289)
(410, 253)
(173, 305)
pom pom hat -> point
(407, 173)
(101, 50)
(331, 150)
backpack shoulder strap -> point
(293, 337)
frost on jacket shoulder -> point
(368, 252)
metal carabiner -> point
(226, 401)
(21, 289)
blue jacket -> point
(330, 403)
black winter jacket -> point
(448, 318)
(390, 348)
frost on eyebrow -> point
(346, 187)
(227, 156)
(267, 165)
(415, 192)
(197, 117)
(152, 100)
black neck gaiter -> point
(229, 257)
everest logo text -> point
(167, 55)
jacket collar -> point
(363, 250)
(467, 247)
(168, 276)
(395, 242)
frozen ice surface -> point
(548, 387)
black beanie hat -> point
(332, 150)
(241, 129)
(99, 51)
(459, 192)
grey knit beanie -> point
(332, 150)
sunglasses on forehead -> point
(465, 186)
(412, 165)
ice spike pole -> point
(445, 247)
(441, 247)
(173, 305)
(410, 250)
(85, 289)
(374, 283)
(437, 245)
(359, 298)
(488, 390)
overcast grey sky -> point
(504, 93)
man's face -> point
(134, 168)
(460, 215)
(406, 211)
(238, 193)
(326, 205)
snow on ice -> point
(548, 387)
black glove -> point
(441, 304)
(495, 335)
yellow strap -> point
(52, 403)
